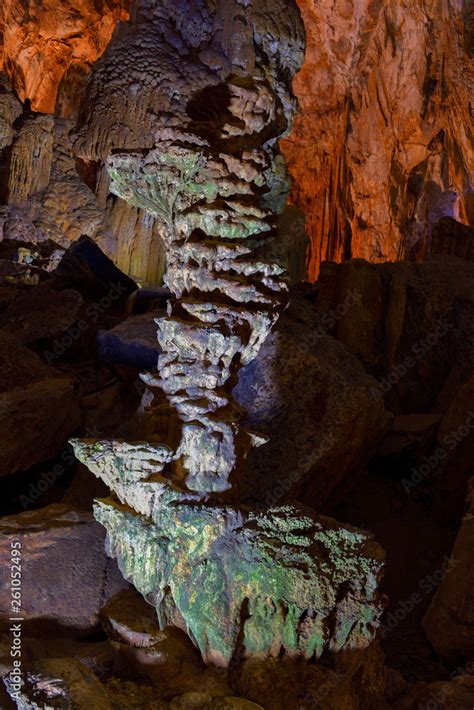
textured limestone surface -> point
(200, 154)
(202, 158)
(231, 577)
(48, 48)
(383, 144)
(49, 198)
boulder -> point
(128, 619)
(248, 564)
(85, 268)
(132, 342)
(443, 695)
(165, 657)
(322, 413)
(40, 313)
(38, 408)
(66, 576)
(355, 682)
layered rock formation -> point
(383, 145)
(200, 153)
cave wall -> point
(50, 46)
(383, 144)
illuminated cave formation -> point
(209, 169)
(237, 307)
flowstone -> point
(234, 579)
(187, 106)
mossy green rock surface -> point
(237, 580)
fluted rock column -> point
(186, 107)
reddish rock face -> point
(382, 147)
(50, 46)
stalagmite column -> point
(187, 106)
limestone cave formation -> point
(237, 354)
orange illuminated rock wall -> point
(383, 145)
(50, 45)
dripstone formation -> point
(186, 107)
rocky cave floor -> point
(74, 337)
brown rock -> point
(59, 683)
(132, 342)
(411, 324)
(452, 237)
(10, 109)
(449, 622)
(66, 576)
(280, 685)
(44, 44)
(127, 618)
(409, 432)
(97, 656)
(443, 695)
(455, 438)
(312, 398)
(167, 657)
(40, 313)
(38, 408)
(381, 147)
(205, 701)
